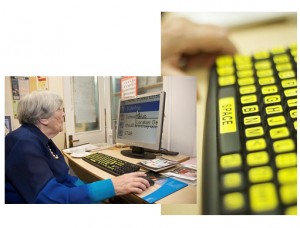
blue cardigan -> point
(33, 175)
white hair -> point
(38, 105)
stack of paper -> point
(157, 164)
(87, 147)
(186, 174)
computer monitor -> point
(140, 124)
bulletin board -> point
(22, 86)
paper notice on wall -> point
(20, 87)
(129, 86)
(42, 83)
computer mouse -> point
(151, 182)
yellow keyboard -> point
(250, 142)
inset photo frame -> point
(7, 123)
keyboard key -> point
(272, 99)
(257, 158)
(256, 144)
(292, 103)
(276, 121)
(228, 125)
(254, 132)
(274, 109)
(290, 92)
(284, 67)
(287, 74)
(225, 70)
(247, 89)
(224, 60)
(288, 193)
(286, 160)
(242, 59)
(263, 65)
(269, 89)
(248, 99)
(291, 210)
(266, 80)
(263, 198)
(265, 73)
(245, 73)
(294, 52)
(262, 55)
(231, 161)
(260, 174)
(280, 132)
(288, 83)
(232, 181)
(244, 66)
(246, 81)
(293, 113)
(285, 145)
(287, 175)
(284, 58)
(250, 109)
(252, 120)
(278, 50)
(233, 202)
(226, 80)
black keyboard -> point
(250, 134)
(111, 164)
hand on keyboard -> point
(130, 183)
(186, 44)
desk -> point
(89, 173)
(248, 39)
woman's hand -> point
(130, 183)
(185, 44)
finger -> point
(181, 35)
(136, 190)
(141, 174)
(171, 70)
(201, 59)
(207, 38)
(141, 181)
(145, 182)
(139, 184)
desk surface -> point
(88, 172)
(248, 39)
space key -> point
(229, 136)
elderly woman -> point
(35, 169)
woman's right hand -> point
(130, 183)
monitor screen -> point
(140, 123)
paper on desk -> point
(183, 172)
(191, 163)
(87, 146)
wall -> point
(179, 132)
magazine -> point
(157, 164)
(183, 172)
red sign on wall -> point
(129, 86)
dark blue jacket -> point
(33, 175)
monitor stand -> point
(138, 152)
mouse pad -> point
(169, 187)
